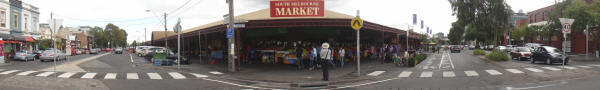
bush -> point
(498, 56)
(478, 52)
(412, 61)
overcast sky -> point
(132, 15)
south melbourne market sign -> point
(297, 8)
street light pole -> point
(231, 40)
(165, 17)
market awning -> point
(29, 39)
(24, 38)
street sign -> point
(566, 28)
(229, 32)
(357, 23)
(177, 26)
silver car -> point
(24, 55)
(50, 55)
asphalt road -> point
(36, 64)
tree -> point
(45, 44)
(487, 17)
(524, 32)
(112, 34)
(134, 43)
(456, 33)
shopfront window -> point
(15, 24)
(2, 18)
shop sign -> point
(297, 8)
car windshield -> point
(552, 50)
(524, 50)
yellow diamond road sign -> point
(357, 23)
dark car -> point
(455, 49)
(521, 53)
(549, 55)
(171, 56)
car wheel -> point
(548, 61)
(532, 60)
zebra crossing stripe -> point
(597, 65)
(471, 73)
(568, 67)
(199, 75)
(176, 75)
(514, 71)
(9, 71)
(583, 66)
(132, 76)
(110, 76)
(66, 75)
(89, 75)
(448, 74)
(2, 69)
(26, 73)
(154, 76)
(45, 74)
(534, 70)
(376, 73)
(551, 68)
(405, 74)
(215, 72)
(493, 72)
(426, 74)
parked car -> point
(510, 47)
(454, 49)
(548, 54)
(149, 50)
(37, 54)
(501, 48)
(172, 56)
(78, 51)
(94, 51)
(119, 50)
(532, 46)
(50, 55)
(24, 55)
(521, 53)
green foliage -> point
(524, 31)
(456, 33)
(498, 56)
(45, 43)
(112, 34)
(412, 61)
(489, 18)
(478, 52)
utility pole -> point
(165, 16)
(231, 41)
(53, 41)
(145, 35)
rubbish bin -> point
(158, 62)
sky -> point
(135, 15)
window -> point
(2, 18)
(26, 20)
(15, 21)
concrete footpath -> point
(72, 66)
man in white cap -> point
(325, 56)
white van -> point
(139, 50)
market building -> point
(260, 37)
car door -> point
(537, 54)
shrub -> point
(478, 52)
(498, 56)
(412, 61)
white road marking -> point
(66, 75)
(493, 72)
(534, 70)
(583, 66)
(2, 69)
(89, 75)
(154, 76)
(597, 65)
(516, 71)
(551, 68)
(568, 67)
(449, 74)
(375, 73)
(26, 73)
(426, 74)
(199, 75)
(450, 58)
(9, 71)
(45, 74)
(405, 74)
(110, 76)
(471, 73)
(215, 72)
(176, 75)
(132, 76)
(441, 61)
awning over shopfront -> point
(24, 38)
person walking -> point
(299, 56)
(325, 57)
(342, 52)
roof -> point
(264, 14)
(161, 34)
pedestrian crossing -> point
(486, 72)
(111, 76)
